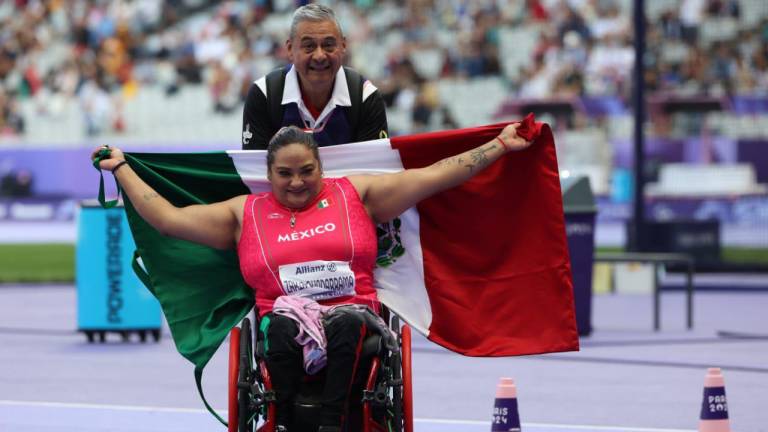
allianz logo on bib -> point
(313, 268)
(305, 234)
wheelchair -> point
(380, 399)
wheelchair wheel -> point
(241, 375)
(402, 396)
(407, 379)
(234, 367)
(245, 378)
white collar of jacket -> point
(339, 97)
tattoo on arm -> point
(449, 160)
(479, 157)
(150, 196)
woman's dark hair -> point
(290, 135)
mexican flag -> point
(481, 269)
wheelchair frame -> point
(388, 385)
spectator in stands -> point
(16, 184)
(573, 21)
(722, 66)
(311, 92)
(609, 21)
(671, 25)
(224, 90)
(691, 16)
(536, 11)
(11, 122)
(724, 8)
(96, 103)
(759, 63)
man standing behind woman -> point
(314, 92)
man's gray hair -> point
(313, 12)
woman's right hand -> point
(114, 157)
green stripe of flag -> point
(200, 289)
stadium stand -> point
(175, 74)
(687, 179)
(540, 48)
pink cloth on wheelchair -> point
(308, 315)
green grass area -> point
(37, 263)
(747, 255)
(729, 254)
(46, 263)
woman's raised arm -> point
(216, 225)
(389, 195)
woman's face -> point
(296, 176)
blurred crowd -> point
(586, 48)
(57, 52)
(99, 54)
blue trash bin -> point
(110, 297)
(580, 209)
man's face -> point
(317, 51)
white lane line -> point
(605, 428)
(101, 407)
(451, 422)
(417, 420)
(554, 425)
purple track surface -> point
(625, 378)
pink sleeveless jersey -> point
(327, 256)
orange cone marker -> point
(714, 407)
(505, 415)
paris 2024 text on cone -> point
(714, 407)
(505, 416)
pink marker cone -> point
(714, 406)
(505, 415)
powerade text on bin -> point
(579, 207)
(110, 297)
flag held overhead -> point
(481, 269)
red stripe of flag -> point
(496, 261)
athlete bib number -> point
(318, 280)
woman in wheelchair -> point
(344, 329)
(310, 238)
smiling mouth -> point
(320, 68)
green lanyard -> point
(104, 154)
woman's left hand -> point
(513, 142)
